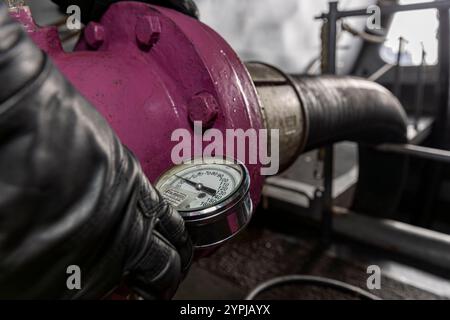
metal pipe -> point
(281, 109)
(425, 245)
(116, 59)
(417, 151)
(315, 111)
(398, 68)
(390, 9)
(420, 89)
(444, 79)
(432, 175)
(331, 39)
(311, 112)
(380, 72)
(422, 245)
(328, 168)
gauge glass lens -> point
(194, 187)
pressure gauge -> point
(212, 195)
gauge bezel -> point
(210, 212)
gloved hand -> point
(94, 9)
(72, 194)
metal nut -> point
(148, 30)
(95, 35)
(203, 107)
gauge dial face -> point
(194, 186)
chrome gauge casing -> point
(212, 195)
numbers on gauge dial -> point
(201, 186)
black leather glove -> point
(71, 193)
(92, 10)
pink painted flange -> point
(149, 71)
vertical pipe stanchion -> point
(444, 79)
(398, 69)
(432, 175)
(329, 67)
(420, 89)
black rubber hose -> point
(349, 108)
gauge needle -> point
(199, 186)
